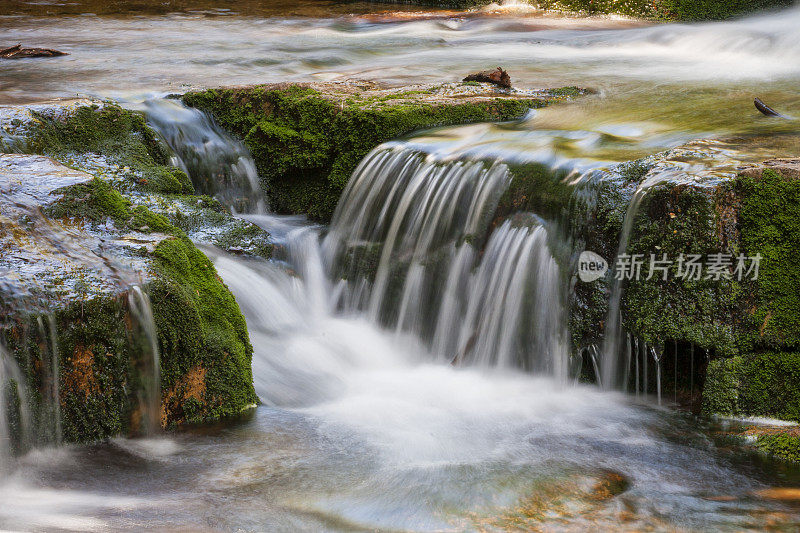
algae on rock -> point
(308, 138)
(204, 346)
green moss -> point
(721, 389)
(780, 445)
(245, 236)
(203, 341)
(98, 201)
(200, 327)
(770, 385)
(769, 221)
(663, 9)
(97, 377)
(120, 135)
(754, 384)
(676, 220)
(307, 145)
(714, 9)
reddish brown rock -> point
(17, 52)
(788, 168)
(497, 76)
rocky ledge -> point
(653, 9)
(308, 138)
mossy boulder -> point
(658, 9)
(102, 135)
(730, 316)
(755, 384)
(308, 138)
(82, 240)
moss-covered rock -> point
(659, 9)
(111, 136)
(308, 138)
(727, 314)
(735, 319)
(92, 238)
(755, 384)
(780, 445)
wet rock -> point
(788, 168)
(17, 52)
(765, 109)
(78, 243)
(46, 262)
(497, 76)
(308, 163)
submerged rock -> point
(497, 77)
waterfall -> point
(612, 368)
(148, 365)
(513, 306)
(407, 237)
(411, 209)
(50, 417)
(15, 419)
(217, 164)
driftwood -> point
(17, 52)
(497, 76)
(765, 109)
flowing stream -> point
(413, 358)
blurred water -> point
(366, 425)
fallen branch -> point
(17, 52)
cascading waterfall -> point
(513, 306)
(15, 418)
(408, 209)
(423, 222)
(217, 164)
(613, 370)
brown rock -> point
(17, 52)
(497, 76)
(788, 168)
(765, 109)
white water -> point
(148, 364)
(423, 222)
(217, 164)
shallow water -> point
(360, 432)
(360, 428)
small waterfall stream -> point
(148, 364)
(412, 356)
(217, 164)
(15, 414)
(50, 415)
(426, 222)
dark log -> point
(497, 76)
(17, 52)
(765, 109)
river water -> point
(364, 424)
